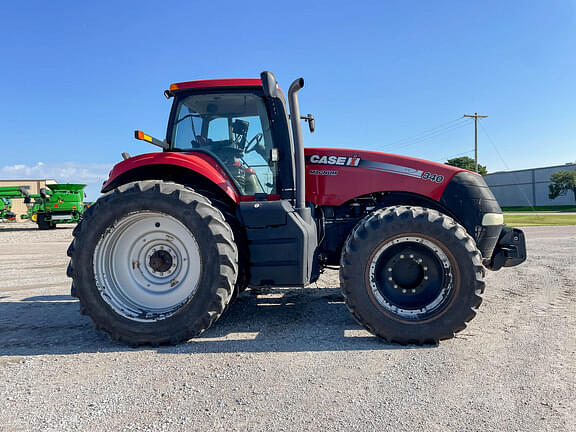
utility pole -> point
(475, 117)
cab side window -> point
(235, 130)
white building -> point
(528, 187)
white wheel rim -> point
(147, 266)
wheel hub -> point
(161, 261)
(408, 272)
(410, 276)
(147, 266)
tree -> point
(562, 182)
(465, 162)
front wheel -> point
(411, 275)
(153, 263)
(43, 223)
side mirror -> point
(311, 123)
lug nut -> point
(389, 269)
(426, 277)
(413, 290)
(401, 256)
(411, 256)
(403, 291)
(389, 278)
(425, 268)
(395, 286)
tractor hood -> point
(335, 176)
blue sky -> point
(77, 77)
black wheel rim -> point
(411, 277)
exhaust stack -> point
(295, 87)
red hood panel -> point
(334, 176)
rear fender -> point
(186, 168)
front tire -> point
(411, 275)
(153, 263)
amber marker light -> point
(139, 135)
(142, 136)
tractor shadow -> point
(5, 228)
(279, 320)
(28, 226)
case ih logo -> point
(353, 161)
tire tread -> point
(222, 236)
(370, 226)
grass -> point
(540, 209)
(539, 220)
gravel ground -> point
(289, 359)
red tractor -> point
(235, 200)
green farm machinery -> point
(58, 204)
(6, 209)
(7, 193)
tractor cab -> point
(234, 123)
(234, 129)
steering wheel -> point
(256, 140)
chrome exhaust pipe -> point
(299, 163)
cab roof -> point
(225, 82)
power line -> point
(424, 132)
(435, 134)
(506, 165)
(455, 155)
(417, 139)
(494, 146)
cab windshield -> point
(234, 129)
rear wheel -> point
(240, 240)
(411, 275)
(153, 263)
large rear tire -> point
(411, 275)
(240, 240)
(153, 263)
